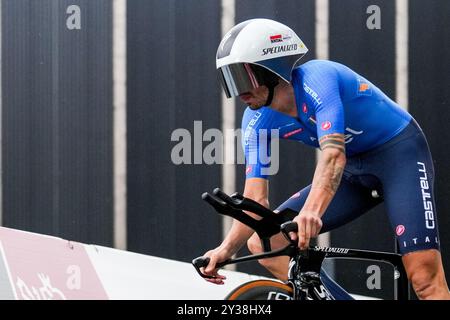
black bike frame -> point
(310, 259)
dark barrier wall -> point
(429, 97)
(56, 125)
(171, 83)
(296, 160)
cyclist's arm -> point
(257, 190)
(326, 180)
(256, 183)
(323, 87)
(327, 176)
(330, 133)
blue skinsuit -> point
(385, 147)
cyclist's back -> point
(348, 100)
(331, 98)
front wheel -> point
(261, 290)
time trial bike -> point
(306, 278)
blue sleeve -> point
(256, 143)
(321, 83)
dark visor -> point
(239, 78)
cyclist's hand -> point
(215, 256)
(309, 225)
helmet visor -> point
(239, 78)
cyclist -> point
(368, 143)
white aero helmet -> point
(251, 49)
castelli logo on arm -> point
(313, 94)
(249, 129)
(426, 197)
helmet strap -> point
(270, 97)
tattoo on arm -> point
(329, 173)
(324, 179)
(336, 178)
(335, 140)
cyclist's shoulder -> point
(317, 64)
(317, 75)
(257, 119)
(316, 69)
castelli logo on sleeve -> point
(248, 170)
(426, 197)
(326, 125)
(313, 94)
(400, 230)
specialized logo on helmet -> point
(326, 125)
(278, 49)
